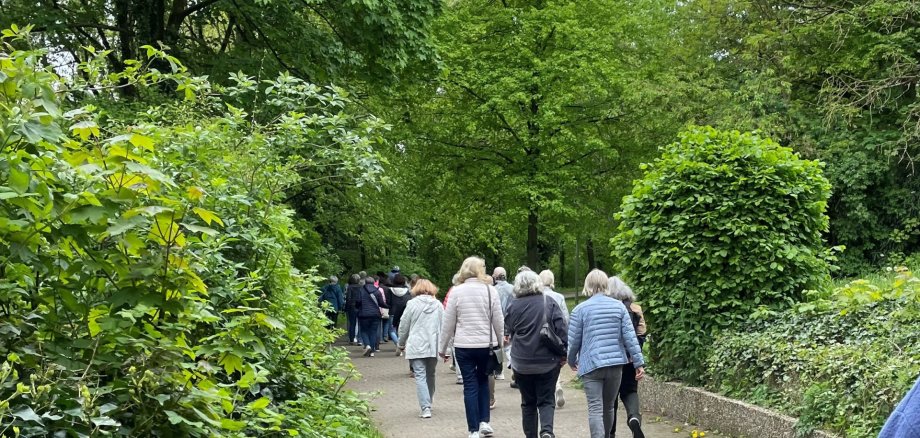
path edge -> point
(729, 416)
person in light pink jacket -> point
(474, 324)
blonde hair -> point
(548, 279)
(595, 283)
(473, 267)
(424, 287)
(455, 280)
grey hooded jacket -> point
(420, 327)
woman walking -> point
(397, 297)
(474, 323)
(629, 386)
(535, 365)
(369, 305)
(352, 294)
(419, 333)
(601, 341)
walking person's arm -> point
(628, 335)
(498, 318)
(405, 323)
(575, 338)
(448, 328)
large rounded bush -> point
(721, 223)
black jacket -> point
(352, 294)
(522, 322)
(366, 306)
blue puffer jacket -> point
(366, 306)
(600, 334)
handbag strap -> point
(491, 325)
(374, 298)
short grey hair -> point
(333, 279)
(595, 283)
(548, 279)
(619, 290)
(527, 283)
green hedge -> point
(146, 277)
(722, 222)
(840, 362)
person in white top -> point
(474, 323)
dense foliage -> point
(839, 362)
(318, 40)
(836, 81)
(148, 285)
(723, 222)
(533, 127)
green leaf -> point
(27, 414)
(200, 229)
(259, 404)
(231, 363)
(142, 141)
(19, 179)
(104, 421)
(207, 216)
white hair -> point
(617, 289)
(595, 283)
(548, 279)
(527, 283)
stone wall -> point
(713, 411)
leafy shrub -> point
(146, 283)
(721, 223)
(840, 363)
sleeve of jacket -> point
(628, 335)
(382, 301)
(340, 298)
(574, 337)
(498, 318)
(449, 326)
(559, 324)
(565, 309)
(637, 309)
(509, 321)
(404, 323)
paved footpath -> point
(385, 381)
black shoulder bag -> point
(548, 336)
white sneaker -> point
(485, 429)
(560, 398)
(426, 413)
(474, 434)
(500, 376)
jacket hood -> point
(399, 291)
(431, 304)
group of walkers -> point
(486, 325)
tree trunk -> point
(361, 249)
(589, 250)
(562, 265)
(533, 250)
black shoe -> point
(514, 384)
(636, 427)
(546, 435)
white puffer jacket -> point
(466, 321)
(420, 327)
